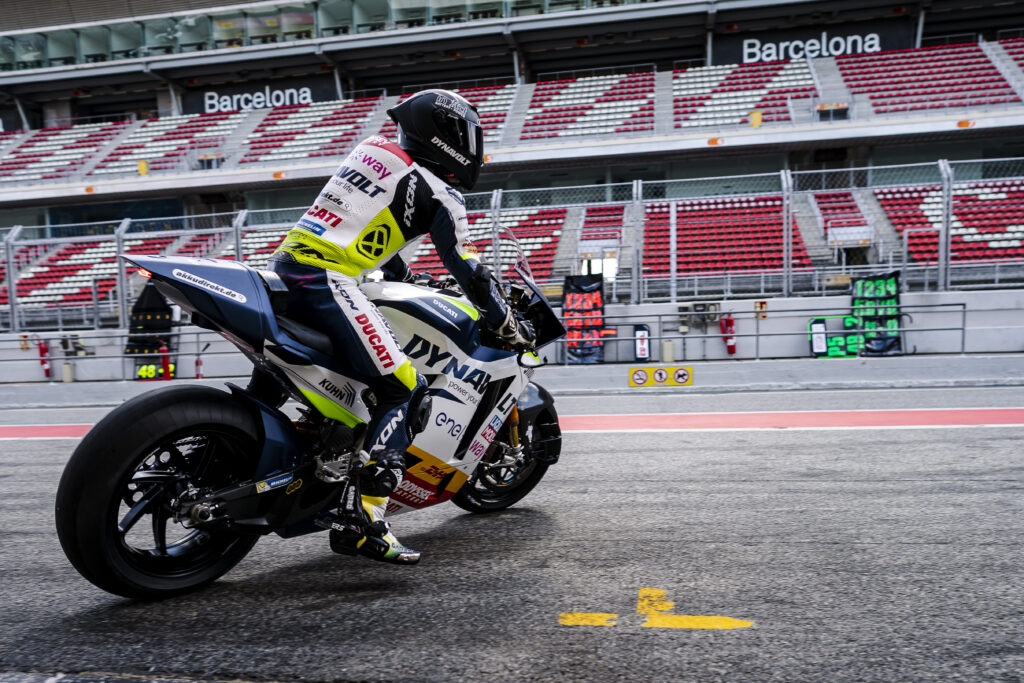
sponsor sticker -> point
(375, 340)
(448, 424)
(293, 487)
(454, 154)
(477, 449)
(311, 226)
(210, 286)
(342, 204)
(446, 308)
(275, 483)
(345, 394)
(460, 108)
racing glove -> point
(518, 334)
(423, 279)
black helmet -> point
(441, 130)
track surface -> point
(858, 552)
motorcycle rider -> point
(383, 196)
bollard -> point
(668, 351)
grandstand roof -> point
(657, 32)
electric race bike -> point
(173, 488)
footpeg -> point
(333, 471)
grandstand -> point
(324, 129)
(598, 138)
(727, 94)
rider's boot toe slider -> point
(381, 548)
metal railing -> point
(664, 327)
(946, 225)
(192, 356)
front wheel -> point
(504, 477)
(116, 511)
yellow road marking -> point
(587, 619)
(652, 602)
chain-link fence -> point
(944, 225)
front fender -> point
(537, 407)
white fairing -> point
(458, 374)
(438, 334)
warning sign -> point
(669, 376)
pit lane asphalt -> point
(867, 555)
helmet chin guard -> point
(441, 131)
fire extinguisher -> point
(44, 357)
(199, 362)
(165, 360)
(728, 326)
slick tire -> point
(485, 492)
(474, 499)
(164, 432)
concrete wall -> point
(994, 324)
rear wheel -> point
(117, 511)
(504, 477)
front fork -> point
(512, 452)
(513, 428)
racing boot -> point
(364, 530)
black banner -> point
(808, 42)
(259, 95)
(583, 317)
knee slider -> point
(382, 474)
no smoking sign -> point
(663, 376)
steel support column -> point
(945, 232)
(635, 231)
(122, 276)
(787, 232)
(236, 227)
(495, 233)
(12, 277)
(673, 255)
(21, 114)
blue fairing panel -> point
(282, 447)
(226, 293)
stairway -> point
(664, 112)
(234, 144)
(106, 149)
(378, 118)
(566, 259)
(887, 240)
(831, 86)
(517, 115)
(805, 219)
(1006, 66)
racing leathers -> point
(376, 202)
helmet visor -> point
(466, 135)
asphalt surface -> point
(858, 555)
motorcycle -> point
(173, 488)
